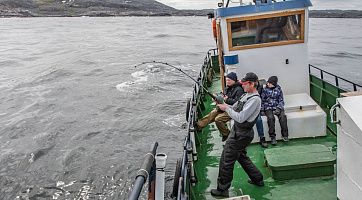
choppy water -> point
(76, 116)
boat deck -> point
(209, 148)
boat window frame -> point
(268, 44)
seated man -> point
(273, 104)
(232, 94)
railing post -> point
(321, 74)
(309, 68)
(161, 159)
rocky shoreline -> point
(106, 8)
(91, 8)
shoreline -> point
(157, 10)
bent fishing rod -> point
(217, 98)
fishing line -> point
(218, 98)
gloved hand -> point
(277, 111)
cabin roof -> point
(261, 8)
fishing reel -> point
(219, 99)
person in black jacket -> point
(232, 94)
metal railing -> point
(326, 87)
(336, 79)
(189, 155)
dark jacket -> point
(272, 98)
(234, 93)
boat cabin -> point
(270, 39)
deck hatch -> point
(300, 161)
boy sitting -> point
(273, 104)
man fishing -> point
(244, 113)
(232, 94)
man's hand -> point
(225, 97)
(222, 106)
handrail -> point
(188, 154)
(143, 173)
(336, 78)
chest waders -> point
(235, 150)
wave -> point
(39, 153)
(51, 76)
(162, 35)
(160, 78)
(344, 55)
(139, 76)
(94, 72)
(175, 120)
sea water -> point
(77, 116)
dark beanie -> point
(232, 76)
(273, 80)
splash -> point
(138, 76)
(175, 120)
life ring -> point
(214, 28)
(176, 178)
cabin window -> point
(266, 30)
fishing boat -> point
(322, 158)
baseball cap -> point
(250, 77)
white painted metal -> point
(244, 197)
(305, 118)
(270, 61)
(160, 176)
(194, 151)
(232, 68)
(349, 142)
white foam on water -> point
(139, 76)
(188, 94)
(175, 120)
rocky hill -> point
(76, 8)
(336, 13)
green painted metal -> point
(325, 91)
(325, 94)
(209, 147)
(304, 161)
(215, 63)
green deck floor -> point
(209, 148)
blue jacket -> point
(272, 98)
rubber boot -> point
(263, 143)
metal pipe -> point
(152, 183)
(161, 159)
(143, 173)
(138, 184)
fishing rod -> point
(219, 98)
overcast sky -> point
(317, 4)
